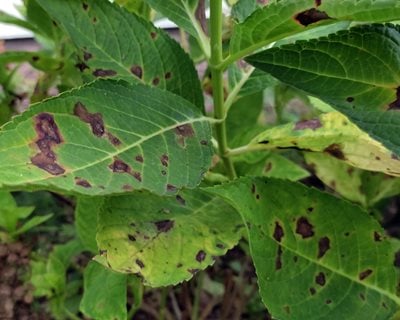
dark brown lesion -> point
(82, 182)
(311, 16)
(335, 150)
(312, 124)
(48, 136)
(104, 73)
(395, 105)
(183, 132)
(95, 120)
(304, 228)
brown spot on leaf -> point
(313, 291)
(323, 246)
(349, 99)
(220, 246)
(304, 228)
(278, 232)
(185, 130)
(317, 3)
(268, 167)
(395, 105)
(320, 279)
(163, 172)
(335, 150)
(127, 187)
(278, 259)
(200, 256)
(204, 142)
(104, 73)
(85, 6)
(171, 188)
(48, 136)
(153, 34)
(164, 160)
(82, 182)
(329, 301)
(362, 296)
(87, 56)
(137, 71)
(95, 120)
(164, 225)
(82, 66)
(179, 265)
(310, 209)
(139, 158)
(168, 75)
(119, 166)
(313, 124)
(140, 263)
(377, 237)
(311, 16)
(131, 237)
(180, 200)
(113, 139)
(396, 261)
(253, 188)
(365, 274)
(156, 81)
(137, 176)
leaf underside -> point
(104, 138)
(316, 257)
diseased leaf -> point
(327, 258)
(104, 294)
(363, 88)
(115, 43)
(333, 134)
(86, 214)
(366, 188)
(104, 138)
(165, 240)
(283, 18)
(273, 165)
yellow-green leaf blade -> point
(165, 240)
(333, 134)
(107, 137)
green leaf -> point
(138, 7)
(9, 19)
(10, 213)
(333, 134)
(48, 277)
(107, 137)
(273, 165)
(361, 88)
(31, 223)
(104, 294)
(115, 43)
(39, 60)
(165, 240)
(86, 214)
(316, 257)
(283, 18)
(182, 12)
(243, 8)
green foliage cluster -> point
(164, 186)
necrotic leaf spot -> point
(320, 279)
(200, 256)
(278, 232)
(311, 16)
(304, 228)
(164, 225)
(365, 274)
(323, 246)
(95, 120)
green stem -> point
(163, 303)
(218, 84)
(196, 301)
